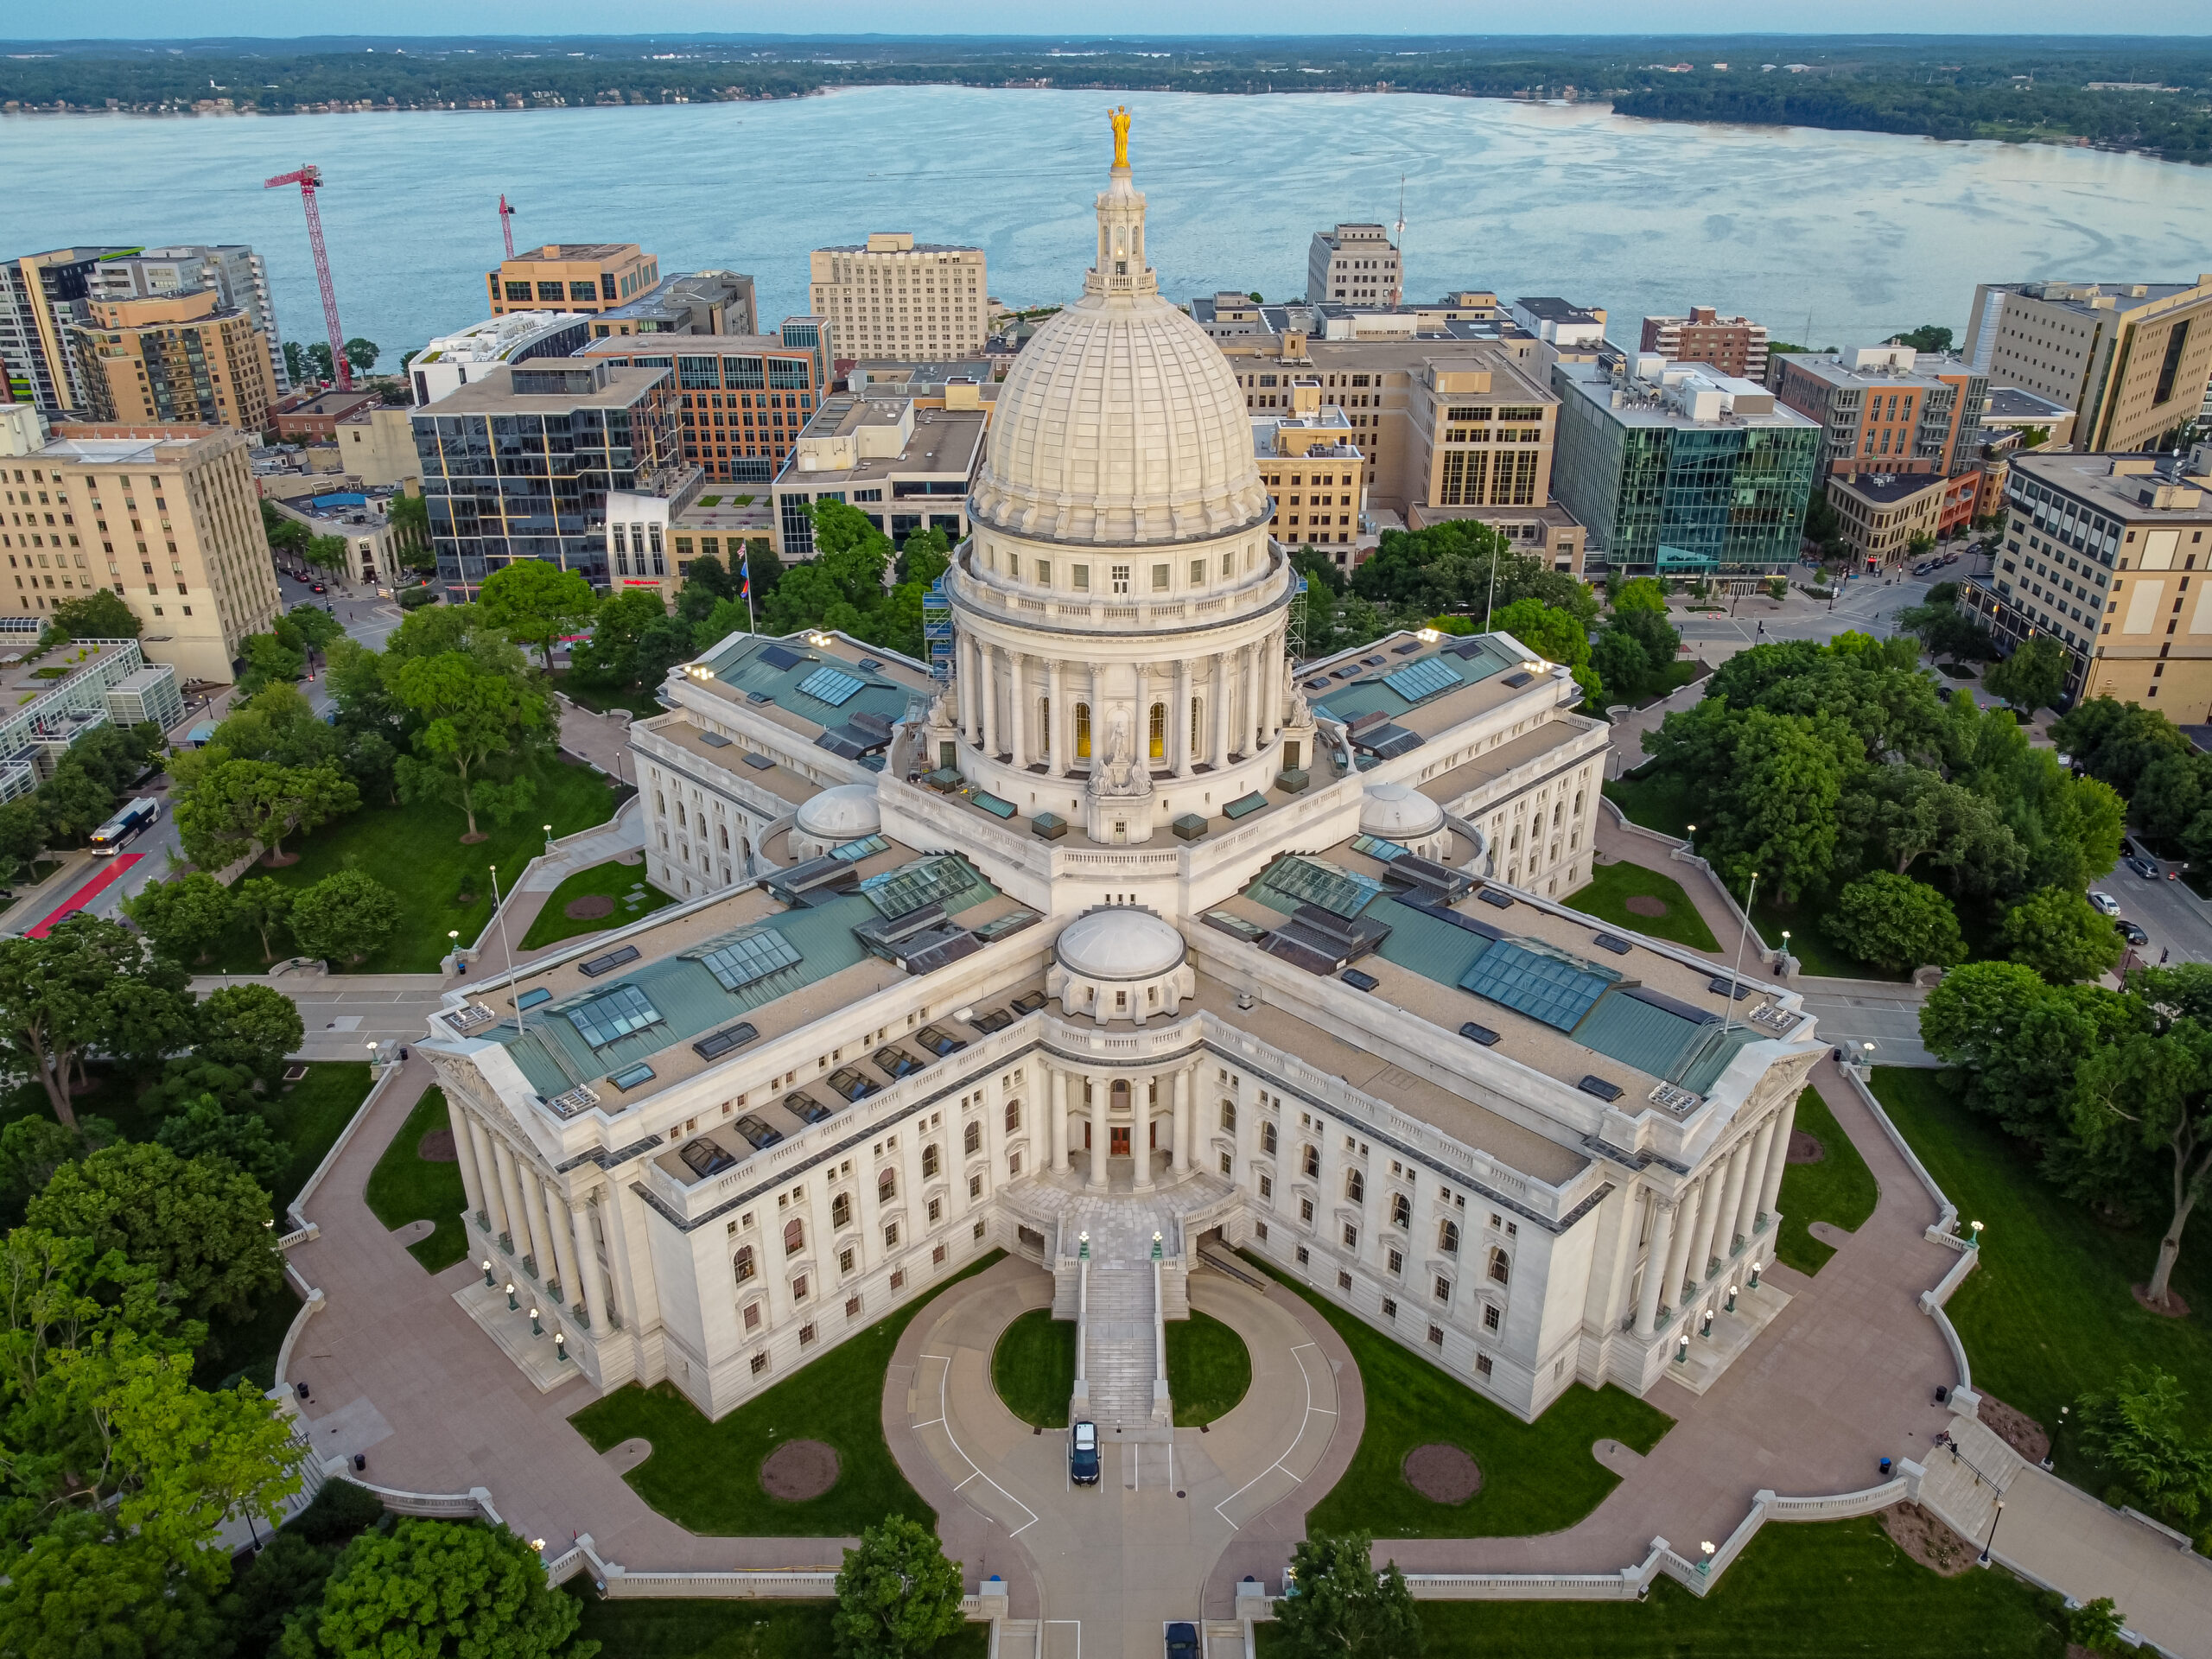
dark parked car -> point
(1082, 1454)
(758, 1134)
(1182, 1640)
(2133, 933)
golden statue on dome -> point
(1120, 116)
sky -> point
(164, 19)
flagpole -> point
(745, 582)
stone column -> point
(515, 1235)
(1655, 1264)
(1777, 1157)
(1678, 1253)
(1101, 1134)
(563, 1225)
(1220, 752)
(1747, 1209)
(1141, 1104)
(1271, 690)
(1708, 1222)
(1017, 716)
(533, 1208)
(964, 672)
(1059, 1111)
(1179, 1157)
(495, 1208)
(987, 688)
(1739, 1161)
(1144, 717)
(1178, 719)
(464, 1145)
(591, 1296)
(1057, 726)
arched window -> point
(971, 1139)
(1356, 1186)
(1267, 1138)
(1313, 1162)
(743, 1264)
(724, 830)
(1401, 1210)
(1500, 1269)
(841, 1210)
(928, 1162)
(1013, 1115)
(1083, 731)
(1447, 1238)
(887, 1186)
(1228, 1114)
(1158, 728)
(794, 1236)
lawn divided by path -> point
(1032, 1367)
(2047, 1315)
(1839, 1189)
(732, 1629)
(1209, 1368)
(417, 851)
(1655, 798)
(706, 1476)
(612, 880)
(406, 1186)
(1801, 1590)
(1613, 885)
(1537, 1476)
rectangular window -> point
(1482, 1364)
(1160, 579)
(1490, 1319)
(1344, 1282)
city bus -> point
(118, 831)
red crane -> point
(309, 178)
(507, 224)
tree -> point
(227, 810)
(204, 1129)
(2169, 794)
(268, 659)
(2134, 1429)
(295, 362)
(73, 803)
(1774, 782)
(86, 1586)
(614, 654)
(1895, 923)
(98, 615)
(926, 555)
(185, 917)
(262, 903)
(278, 723)
(897, 1595)
(2059, 934)
(1902, 814)
(197, 1223)
(319, 361)
(344, 917)
(310, 627)
(329, 553)
(2033, 676)
(250, 1026)
(2095, 1627)
(435, 1587)
(471, 723)
(1556, 635)
(534, 603)
(1637, 594)
(362, 353)
(1926, 338)
(23, 836)
(32, 1148)
(88, 981)
(1343, 1608)
(2115, 742)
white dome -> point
(1399, 812)
(845, 813)
(1119, 943)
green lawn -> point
(310, 1114)
(731, 1630)
(1839, 1189)
(1537, 1476)
(417, 851)
(404, 1187)
(1032, 1367)
(1801, 1590)
(612, 880)
(1656, 798)
(2047, 1316)
(1209, 1368)
(1613, 885)
(705, 1476)
(603, 699)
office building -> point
(590, 276)
(111, 683)
(44, 296)
(698, 303)
(1470, 313)
(2132, 359)
(374, 551)
(741, 399)
(312, 417)
(2108, 554)
(1886, 409)
(1315, 476)
(376, 446)
(1356, 263)
(904, 464)
(1734, 346)
(235, 271)
(1888, 517)
(451, 361)
(892, 296)
(183, 358)
(1560, 322)
(1043, 958)
(167, 518)
(519, 465)
(1678, 470)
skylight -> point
(613, 1015)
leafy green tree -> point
(362, 353)
(897, 1595)
(311, 625)
(295, 362)
(277, 724)
(2033, 676)
(319, 361)
(1345, 1609)
(185, 917)
(204, 1129)
(23, 836)
(73, 803)
(32, 1148)
(2095, 1627)
(87, 983)
(1557, 635)
(2059, 935)
(98, 615)
(2019, 1040)
(197, 1223)
(1901, 814)
(1926, 338)
(287, 1575)
(269, 659)
(329, 553)
(534, 603)
(344, 917)
(1775, 783)
(619, 630)
(439, 1587)
(471, 725)
(229, 809)
(926, 555)
(250, 1026)
(87, 1586)
(1638, 594)
(1895, 923)
(262, 903)
(2134, 1430)
(2169, 795)
(2114, 741)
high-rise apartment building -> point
(1886, 409)
(519, 465)
(451, 361)
(592, 277)
(1734, 346)
(185, 357)
(2132, 359)
(166, 517)
(742, 398)
(235, 271)
(41, 297)
(892, 296)
(698, 303)
(1356, 263)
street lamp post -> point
(1705, 1566)
(489, 1283)
(535, 1329)
(1689, 842)
(1730, 1308)
(1974, 1244)
(512, 1305)
(1755, 1274)
(1991, 1538)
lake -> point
(1830, 237)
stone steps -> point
(1118, 1360)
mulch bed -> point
(2175, 1305)
(436, 1147)
(1928, 1539)
(1442, 1474)
(798, 1470)
(1643, 904)
(589, 908)
(2015, 1428)
(1805, 1148)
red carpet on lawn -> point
(111, 874)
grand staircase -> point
(1118, 1344)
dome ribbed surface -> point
(1119, 943)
